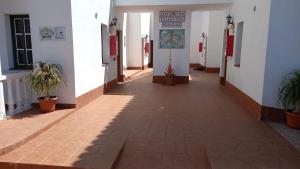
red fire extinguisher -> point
(113, 45)
(147, 47)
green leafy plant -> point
(45, 78)
(289, 93)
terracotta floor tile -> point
(157, 127)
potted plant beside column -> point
(170, 76)
(289, 97)
(43, 80)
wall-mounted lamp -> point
(114, 21)
(229, 20)
(146, 36)
(230, 23)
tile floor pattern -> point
(180, 120)
(22, 127)
(292, 135)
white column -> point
(2, 102)
(10, 97)
(27, 99)
(19, 99)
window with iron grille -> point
(21, 41)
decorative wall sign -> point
(172, 16)
(52, 33)
(172, 19)
(60, 33)
(171, 24)
(172, 39)
(47, 33)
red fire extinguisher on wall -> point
(201, 47)
(147, 47)
(113, 45)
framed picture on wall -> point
(47, 33)
(60, 33)
(171, 38)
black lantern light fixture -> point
(229, 20)
(114, 21)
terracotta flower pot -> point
(293, 120)
(170, 81)
(47, 105)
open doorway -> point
(207, 29)
(137, 43)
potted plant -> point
(289, 97)
(43, 80)
(170, 76)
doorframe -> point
(143, 53)
(151, 54)
(120, 73)
(223, 77)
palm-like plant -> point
(289, 93)
(45, 78)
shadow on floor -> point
(147, 133)
(173, 127)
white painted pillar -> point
(10, 97)
(2, 102)
(18, 95)
(27, 99)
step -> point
(4, 165)
(148, 153)
(26, 126)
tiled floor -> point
(129, 73)
(175, 126)
(22, 127)
(135, 74)
(292, 135)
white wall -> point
(124, 40)
(89, 71)
(167, 2)
(199, 25)
(145, 30)
(249, 77)
(41, 14)
(215, 39)
(180, 57)
(134, 40)
(137, 26)
(283, 54)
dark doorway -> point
(224, 66)
(120, 56)
(151, 54)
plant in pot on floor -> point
(43, 80)
(170, 75)
(289, 97)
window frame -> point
(239, 43)
(17, 65)
(105, 57)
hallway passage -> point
(140, 125)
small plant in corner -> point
(289, 98)
(43, 79)
(170, 75)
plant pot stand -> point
(170, 81)
(47, 105)
(293, 120)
